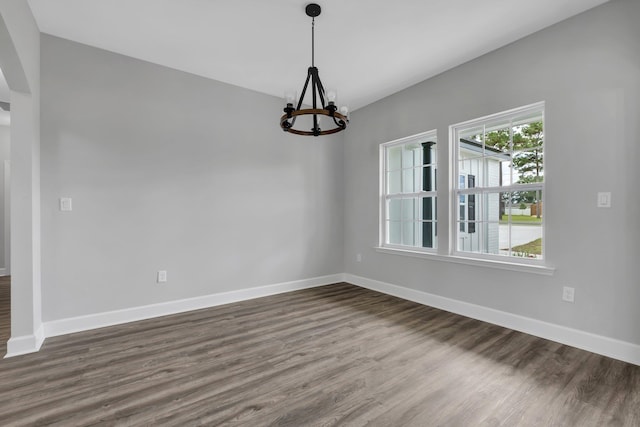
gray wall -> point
(170, 171)
(587, 69)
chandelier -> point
(323, 108)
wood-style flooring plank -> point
(332, 355)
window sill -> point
(525, 268)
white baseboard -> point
(25, 344)
(599, 344)
(117, 317)
(616, 349)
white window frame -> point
(456, 192)
(430, 135)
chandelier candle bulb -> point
(290, 97)
(332, 95)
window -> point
(498, 196)
(408, 193)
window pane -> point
(463, 200)
(536, 205)
(472, 166)
(393, 182)
(528, 165)
(478, 222)
(523, 217)
(393, 232)
(408, 177)
(497, 170)
(507, 174)
(429, 153)
(428, 178)
(528, 135)
(469, 151)
(427, 229)
(394, 209)
(394, 156)
(473, 135)
(468, 242)
(418, 178)
(526, 241)
(408, 234)
(427, 209)
(409, 210)
(498, 140)
(527, 200)
(409, 154)
(496, 238)
(492, 206)
(528, 151)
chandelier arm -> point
(340, 123)
(320, 90)
(304, 90)
(314, 85)
(314, 90)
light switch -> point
(65, 204)
(162, 276)
(604, 200)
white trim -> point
(531, 108)
(621, 350)
(433, 133)
(25, 344)
(7, 219)
(116, 317)
(479, 262)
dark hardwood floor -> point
(5, 313)
(334, 355)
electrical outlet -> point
(162, 276)
(568, 293)
(359, 257)
(66, 204)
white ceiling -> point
(367, 49)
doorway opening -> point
(5, 246)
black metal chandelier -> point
(336, 120)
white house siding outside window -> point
(498, 164)
(408, 193)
